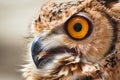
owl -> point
(75, 40)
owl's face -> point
(72, 35)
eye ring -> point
(80, 30)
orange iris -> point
(77, 27)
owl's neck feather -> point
(78, 69)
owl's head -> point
(73, 34)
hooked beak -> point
(36, 49)
(39, 55)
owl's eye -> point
(77, 27)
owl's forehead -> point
(55, 13)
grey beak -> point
(35, 50)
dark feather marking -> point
(84, 77)
(61, 49)
(106, 2)
(39, 18)
(112, 61)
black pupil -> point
(77, 27)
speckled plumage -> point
(95, 58)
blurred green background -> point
(15, 17)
